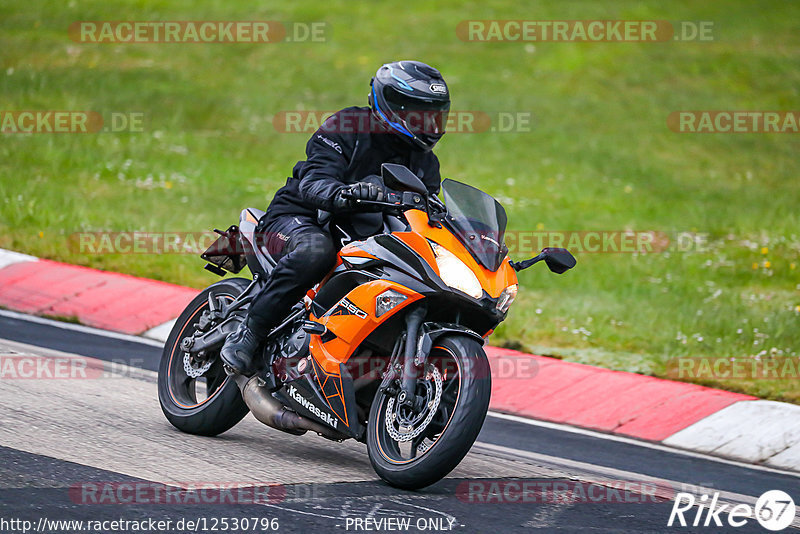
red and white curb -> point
(160, 332)
(758, 431)
(622, 405)
(101, 299)
(8, 257)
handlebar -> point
(395, 199)
(405, 200)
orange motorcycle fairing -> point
(331, 387)
(494, 282)
(351, 320)
(418, 243)
(353, 250)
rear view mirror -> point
(398, 177)
(559, 260)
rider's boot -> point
(240, 348)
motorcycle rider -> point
(408, 106)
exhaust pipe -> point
(271, 412)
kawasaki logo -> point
(311, 407)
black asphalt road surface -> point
(80, 450)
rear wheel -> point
(196, 395)
(411, 449)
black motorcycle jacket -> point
(348, 147)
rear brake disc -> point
(191, 370)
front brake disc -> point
(401, 436)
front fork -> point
(408, 382)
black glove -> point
(347, 197)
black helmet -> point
(412, 99)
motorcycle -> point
(387, 349)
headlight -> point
(506, 298)
(455, 272)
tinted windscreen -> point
(478, 220)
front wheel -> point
(411, 449)
(196, 395)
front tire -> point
(208, 404)
(465, 376)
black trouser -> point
(305, 253)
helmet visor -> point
(422, 116)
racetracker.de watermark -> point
(35, 367)
(523, 242)
(727, 368)
(198, 32)
(69, 122)
(30, 367)
(519, 242)
(418, 121)
(722, 121)
(176, 493)
(554, 491)
(630, 31)
(502, 367)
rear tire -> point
(448, 442)
(223, 405)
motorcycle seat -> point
(248, 221)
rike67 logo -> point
(774, 510)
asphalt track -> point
(67, 446)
